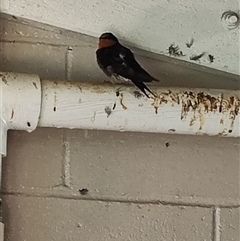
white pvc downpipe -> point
(20, 104)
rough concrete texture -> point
(66, 156)
(139, 187)
(94, 220)
(230, 223)
(136, 191)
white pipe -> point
(20, 103)
(183, 111)
(3, 144)
(3, 134)
(97, 106)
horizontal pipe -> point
(123, 108)
(65, 104)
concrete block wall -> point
(139, 188)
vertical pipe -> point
(3, 151)
(3, 137)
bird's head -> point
(107, 40)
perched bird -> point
(118, 62)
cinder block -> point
(125, 165)
(38, 219)
(85, 67)
(23, 30)
(138, 165)
(230, 224)
(46, 61)
(34, 161)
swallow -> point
(118, 62)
